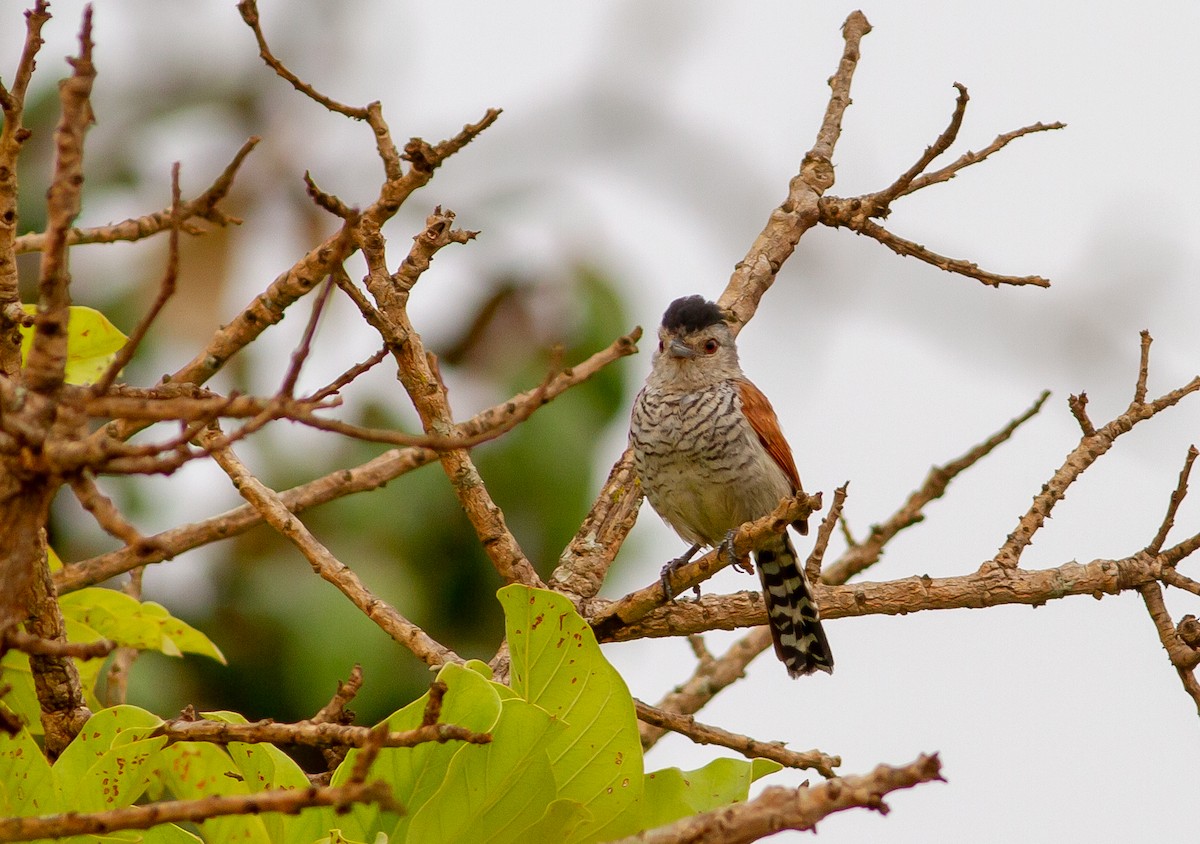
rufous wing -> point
(765, 423)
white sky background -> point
(656, 141)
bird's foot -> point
(669, 569)
(742, 564)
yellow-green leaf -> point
(136, 624)
(92, 343)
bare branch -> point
(328, 201)
(939, 146)
(286, 800)
(855, 27)
(12, 138)
(991, 585)
(812, 567)
(710, 678)
(968, 158)
(1183, 656)
(301, 352)
(584, 563)
(166, 290)
(1139, 390)
(779, 808)
(37, 646)
(901, 246)
(860, 556)
(637, 604)
(1078, 405)
(1091, 447)
(1173, 505)
(313, 734)
(428, 393)
(368, 476)
(47, 359)
(249, 13)
(755, 273)
(204, 207)
(267, 502)
(686, 725)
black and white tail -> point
(792, 613)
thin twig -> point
(37, 646)
(686, 725)
(314, 734)
(166, 289)
(301, 352)
(1078, 405)
(285, 800)
(104, 511)
(861, 555)
(968, 158)
(812, 567)
(1176, 499)
(901, 246)
(1139, 390)
(939, 146)
(1088, 451)
(368, 476)
(335, 386)
(249, 12)
(324, 563)
(777, 808)
(204, 206)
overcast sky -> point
(655, 139)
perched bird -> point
(710, 456)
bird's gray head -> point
(696, 347)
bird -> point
(710, 455)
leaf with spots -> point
(557, 664)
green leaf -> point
(264, 766)
(27, 784)
(109, 763)
(335, 836)
(20, 697)
(92, 343)
(672, 794)
(557, 664)
(494, 792)
(136, 624)
(191, 770)
(559, 822)
(415, 773)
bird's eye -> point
(661, 345)
(710, 346)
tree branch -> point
(779, 808)
(276, 514)
(686, 725)
(287, 800)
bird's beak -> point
(678, 350)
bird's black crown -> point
(691, 313)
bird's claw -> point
(669, 569)
(741, 564)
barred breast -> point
(701, 465)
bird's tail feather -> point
(792, 613)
